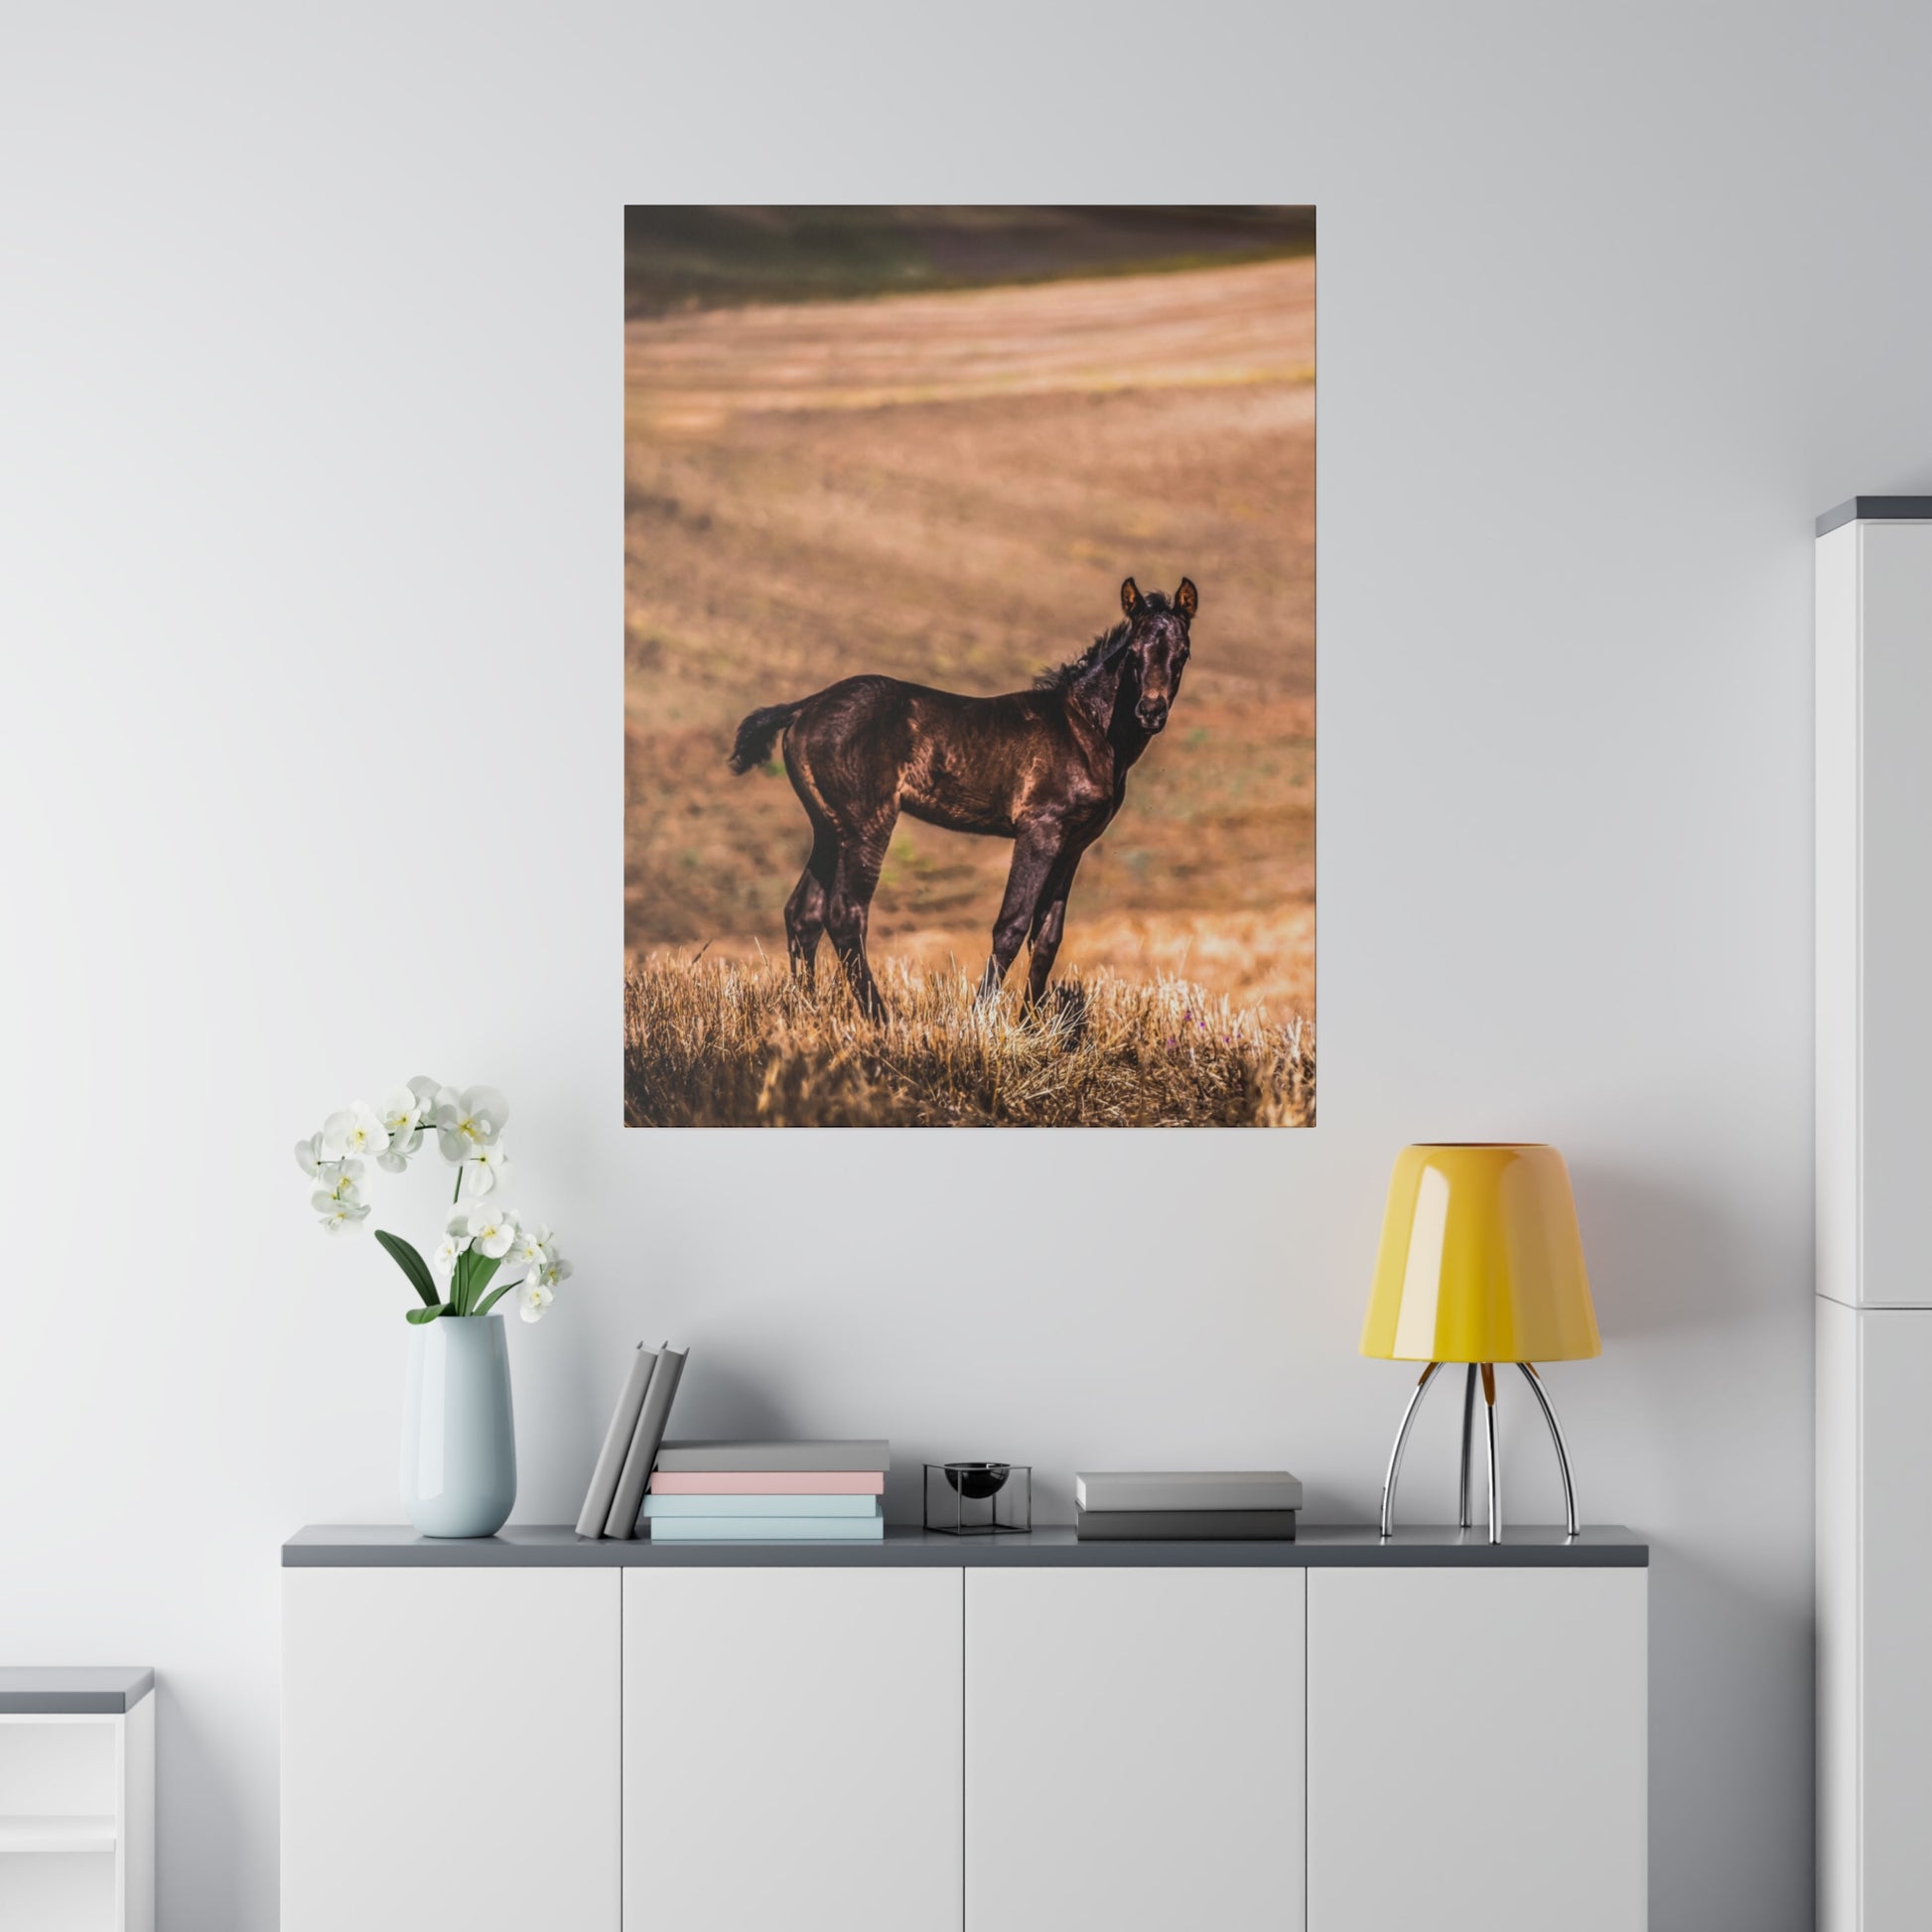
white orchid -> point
(485, 1171)
(492, 1231)
(340, 1213)
(339, 1179)
(400, 1111)
(482, 1233)
(358, 1130)
(468, 1121)
(532, 1248)
(456, 1241)
(394, 1159)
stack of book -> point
(778, 1492)
(616, 1493)
(1228, 1505)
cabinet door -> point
(1134, 1749)
(1894, 1688)
(1476, 1750)
(791, 1751)
(449, 1750)
(1893, 1144)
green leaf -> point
(420, 1316)
(479, 1275)
(412, 1264)
(496, 1295)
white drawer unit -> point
(946, 1734)
(76, 1800)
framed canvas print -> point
(969, 666)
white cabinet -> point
(1873, 1169)
(1134, 1749)
(531, 1733)
(449, 1750)
(1476, 1750)
(791, 1755)
(1874, 1590)
(77, 1816)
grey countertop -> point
(1876, 509)
(544, 1546)
(62, 1689)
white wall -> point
(310, 598)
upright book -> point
(603, 1491)
(644, 1442)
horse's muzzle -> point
(1153, 717)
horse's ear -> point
(1130, 598)
(1187, 599)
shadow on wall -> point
(196, 1809)
(1662, 1262)
(1717, 1647)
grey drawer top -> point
(87, 1690)
(1876, 509)
(1318, 1547)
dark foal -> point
(1047, 768)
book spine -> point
(767, 1529)
(649, 1432)
(1111, 1491)
(657, 1507)
(685, 1458)
(1187, 1525)
(617, 1445)
(770, 1482)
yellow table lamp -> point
(1480, 1263)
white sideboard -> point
(76, 1800)
(1873, 713)
(937, 1735)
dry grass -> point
(730, 1043)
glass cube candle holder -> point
(979, 1498)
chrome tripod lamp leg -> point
(1463, 1517)
(1495, 1468)
(1556, 1436)
(1401, 1439)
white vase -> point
(459, 1439)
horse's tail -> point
(759, 733)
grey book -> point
(1186, 1526)
(739, 1459)
(1189, 1489)
(617, 1445)
(644, 1441)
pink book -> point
(769, 1482)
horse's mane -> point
(1063, 677)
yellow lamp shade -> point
(1480, 1260)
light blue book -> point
(767, 1529)
(660, 1507)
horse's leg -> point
(861, 853)
(1048, 924)
(1036, 854)
(805, 909)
